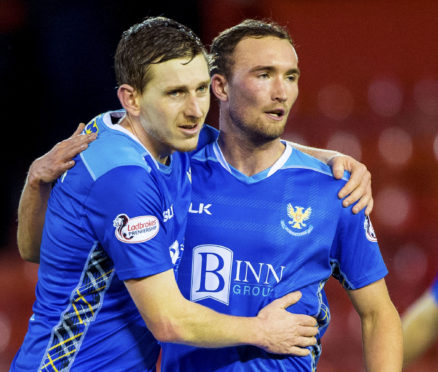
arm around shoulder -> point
(358, 188)
(33, 201)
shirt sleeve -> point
(355, 255)
(125, 211)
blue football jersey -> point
(118, 214)
(251, 240)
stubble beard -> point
(258, 132)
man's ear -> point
(128, 97)
(219, 87)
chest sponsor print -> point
(217, 275)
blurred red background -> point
(369, 88)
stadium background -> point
(369, 88)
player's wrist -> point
(258, 334)
(35, 179)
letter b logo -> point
(211, 273)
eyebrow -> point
(184, 87)
(272, 69)
(205, 82)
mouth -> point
(276, 114)
(189, 129)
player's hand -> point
(53, 164)
(358, 188)
(285, 332)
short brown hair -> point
(224, 44)
(155, 40)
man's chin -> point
(187, 145)
(268, 133)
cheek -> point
(296, 90)
(251, 93)
(152, 110)
(168, 112)
(205, 104)
(293, 94)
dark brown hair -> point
(223, 45)
(155, 40)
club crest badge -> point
(297, 224)
(369, 230)
(135, 230)
(91, 127)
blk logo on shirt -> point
(200, 208)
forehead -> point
(264, 51)
(179, 72)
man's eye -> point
(175, 93)
(265, 75)
(203, 88)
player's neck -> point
(247, 157)
(152, 145)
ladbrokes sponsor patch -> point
(137, 229)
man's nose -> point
(193, 107)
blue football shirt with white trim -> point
(117, 215)
(251, 240)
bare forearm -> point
(172, 318)
(382, 341)
(381, 327)
(182, 321)
(31, 212)
(203, 327)
(278, 333)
